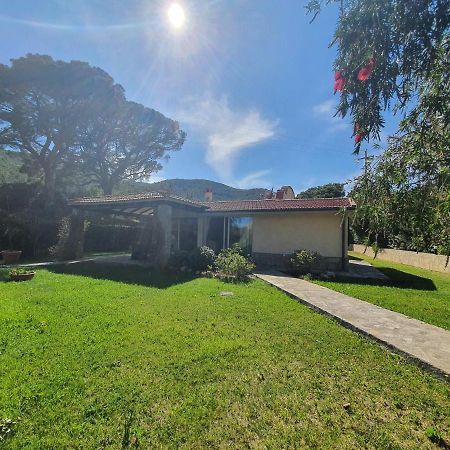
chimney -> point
(285, 193)
(208, 195)
(268, 195)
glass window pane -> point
(241, 232)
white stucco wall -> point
(287, 232)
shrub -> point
(179, 260)
(57, 250)
(201, 259)
(232, 264)
(197, 260)
(303, 260)
(19, 271)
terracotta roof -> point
(223, 206)
(133, 198)
(280, 205)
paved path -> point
(424, 344)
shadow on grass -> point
(397, 279)
(124, 274)
(355, 258)
(4, 275)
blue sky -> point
(250, 81)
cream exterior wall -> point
(286, 232)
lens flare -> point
(176, 15)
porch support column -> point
(164, 234)
(72, 246)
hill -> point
(193, 189)
(10, 164)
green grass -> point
(417, 293)
(108, 358)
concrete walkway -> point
(426, 345)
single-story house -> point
(269, 229)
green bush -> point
(232, 264)
(197, 260)
(179, 260)
(202, 258)
(302, 261)
(57, 251)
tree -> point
(127, 141)
(330, 190)
(395, 54)
(386, 49)
(45, 105)
(405, 197)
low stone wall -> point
(281, 262)
(438, 263)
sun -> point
(176, 15)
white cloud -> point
(256, 179)
(325, 112)
(154, 179)
(226, 131)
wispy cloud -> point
(325, 112)
(226, 131)
(256, 179)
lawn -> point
(97, 357)
(418, 293)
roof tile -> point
(226, 206)
(280, 205)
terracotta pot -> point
(11, 256)
(22, 276)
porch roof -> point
(147, 198)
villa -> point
(269, 229)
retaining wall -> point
(430, 261)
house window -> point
(240, 232)
(223, 232)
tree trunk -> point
(49, 182)
(107, 187)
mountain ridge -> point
(192, 188)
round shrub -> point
(201, 259)
(231, 264)
(302, 261)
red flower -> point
(366, 71)
(339, 81)
(358, 134)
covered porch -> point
(168, 224)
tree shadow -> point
(4, 274)
(397, 279)
(355, 258)
(143, 276)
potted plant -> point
(11, 256)
(21, 274)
